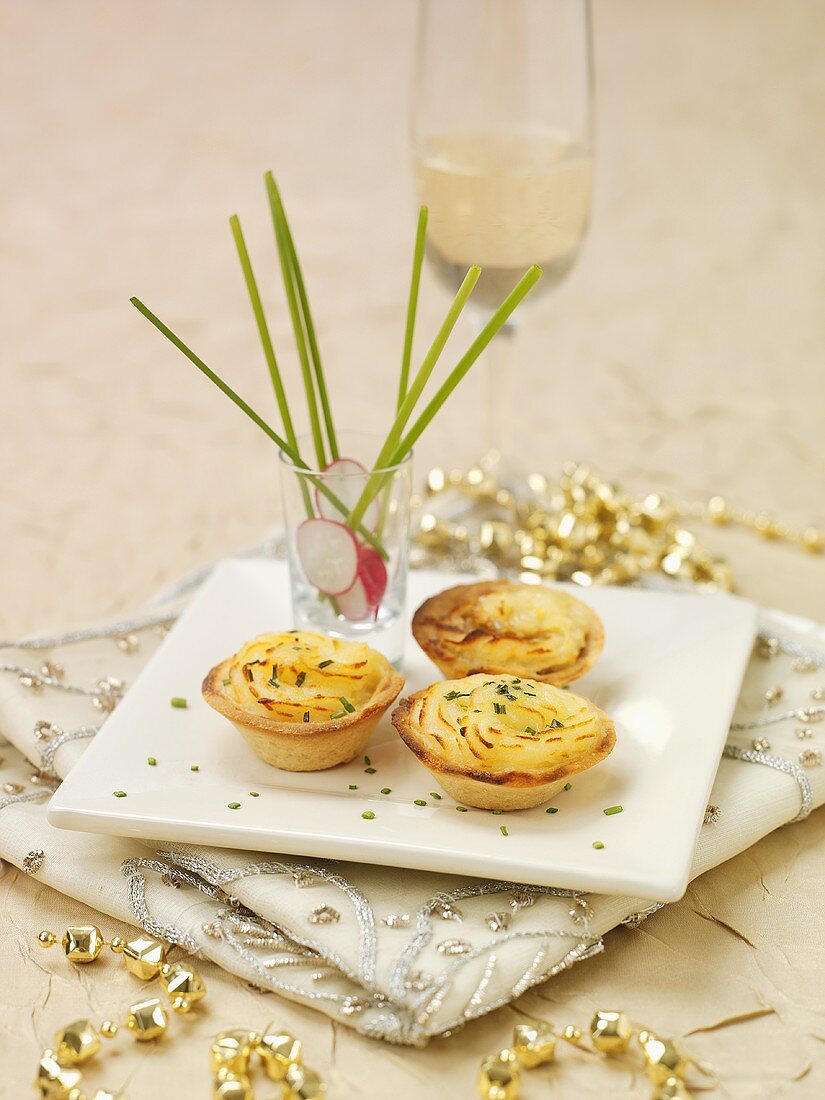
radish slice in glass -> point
(354, 605)
(346, 478)
(372, 573)
(328, 554)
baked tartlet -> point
(303, 701)
(502, 743)
(505, 627)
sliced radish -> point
(346, 478)
(372, 573)
(328, 554)
(354, 605)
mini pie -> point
(501, 743)
(504, 627)
(303, 701)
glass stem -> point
(499, 386)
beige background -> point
(685, 353)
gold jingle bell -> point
(147, 1020)
(144, 957)
(663, 1058)
(278, 1050)
(498, 1076)
(54, 1081)
(232, 1086)
(76, 1043)
(303, 1083)
(83, 943)
(534, 1044)
(611, 1032)
(184, 987)
(672, 1089)
(231, 1050)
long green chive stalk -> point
(497, 320)
(263, 330)
(287, 270)
(412, 304)
(427, 366)
(313, 343)
(266, 343)
(288, 450)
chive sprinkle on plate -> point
(179, 702)
(503, 830)
(152, 762)
(368, 815)
(613, 810)
(419, 802)
(552, 810)
(386, 790)
(568, 786)
(597, 844)
(233, 805)
(194, 767)
(119, 794)
(369, 771)
(353, 786)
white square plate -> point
(669, 678)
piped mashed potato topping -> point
(301, 677)
(503, 724)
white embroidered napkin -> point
(399, 955)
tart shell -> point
(503, 790)
(296, 747)
(431, 633)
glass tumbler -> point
(347, 535)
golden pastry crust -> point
(303, 701)
(503, 742)
(505, 627)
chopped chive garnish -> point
(178, 701)
(119, 794)
(368, 815)
(248, 673)
(503, 830)
(367, 760)
(462, 809)
(339, 714)
(552, 810)
(613, 810)
(555, 725)
(499, 708)
(299, 679)
(325, 664)
(498, 813)
(419, 802)
(369, 771)
(353, 786)
(530, 730)
(457, 695)
(306, 715)
(597, 844)
(254, 794)
(273, 679)
(568, 786)
(434, 794)
(386, 790)
(346, 704)
(226, 681)
(233, 805)
(194, 767)
(151, 761)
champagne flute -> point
(503, 152)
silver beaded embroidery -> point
(33, 861)
(810, 758)
(499, 921)
(454, 947)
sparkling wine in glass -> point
(503, 152)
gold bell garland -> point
(579, 527)
(59, 1076)
(611, 1035)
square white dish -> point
(669, 677)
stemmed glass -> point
(503, 150)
